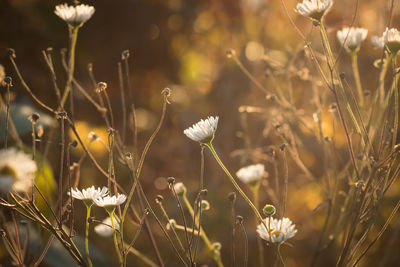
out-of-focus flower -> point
(391, 38)
(314, 9)
(378, 41)
(278, 230)
(105, 228)
(17, 171)
(89, 195)
(351, 38)
(180, 189)
(110, 202)
(203, 131)
(251, 174)
(74, 15)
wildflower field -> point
(199, 133)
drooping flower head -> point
(89, 195)
(74, 15)
(351, 38)
(391, 38)
(314, 9)
(110, 202)
(251, 174)
(17, 171)
(278, 230)
(203, 131)
(105, 228)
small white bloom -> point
(17, 171)
(180, 188)
(105, 228)
(110, 202)
(351, 38)
(251, 174)
(378, 41)
(203, 131)
(392, 39)
(88, 195)
(74, 15)
(279, 230)
(314, 9)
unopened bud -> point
(159, 199)
(101, 86)
(125, 54)
(230, 53)
(171, 180)
(8, 81)
(34, 117)
(269, 210)
(232, 196)
(180, 189)
(239, 219)
(11, 52)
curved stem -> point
(255, 210)
(278, 254)
(71, 64)
(259, 241)
(115, 238)
(396, 102)
(356, 73)
(88, 208)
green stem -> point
(115, 239)
(88, 209)
(396, 103)
(278, 253)
(203, 235)
(332, 64)
(259, 241)
(71, 64)
(356, 73)
(255, 210)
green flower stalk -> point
(75, 16)
(88, 209)
(203, 132)
(109, 203)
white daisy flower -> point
(378, 41)
(279, 230)
(314, 9)
(351, 38)
(251, 174)
(110, 202)
(74, 15)
(391, 38)
(105, 229)
(89, 195)
(17, 171)
(203, 131)
(180, 188)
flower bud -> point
(171, 180)
(269, 210)
(180, 189)
(101, 86)
(205, 205)
(239, 219)
(34, 117)
(232, 196)
(230, 53)
(159, 199)
(125, 54)
(8, 81)
(171, 224)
